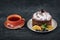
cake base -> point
(37, 22)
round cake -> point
(41, 17)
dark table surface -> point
(26, 8)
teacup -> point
(14, 21)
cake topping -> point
(42, 10)
(42, 15)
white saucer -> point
(29, 25)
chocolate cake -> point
(41, 17)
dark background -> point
(26, 8)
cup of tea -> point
(14, 21)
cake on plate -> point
(41, 19)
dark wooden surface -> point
(26, 8)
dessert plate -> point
(29, 25)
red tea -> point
(14, 18)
